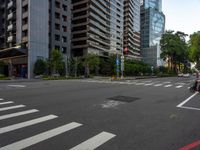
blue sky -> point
(182, 15)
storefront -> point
(15, 62)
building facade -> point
(97, 27)
(29, 30)
(132, 28)
(152, 28)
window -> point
(57, 26)
(64, 7)
(57, 37)
(64, 28)
(64, 50)
(57, 4)
(57, 15)
(64, 18)
(64, 39)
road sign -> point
(117, 62)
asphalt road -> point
(148, 114)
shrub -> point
(40, 67)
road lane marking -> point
(191, 108)
(18, 114)
(26, 123)
(8, 102)
(40, 137)
(12, 107)
(169, 85)
(187, 100)
(14, 85)
(1, 99)
(191, 146)
(94, 142)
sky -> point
(182, 15)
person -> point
(197, 81)
(198, 85)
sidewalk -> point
(20, 80)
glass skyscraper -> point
(152, 28)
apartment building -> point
(132, 29)
(97, 27)
(29, 30)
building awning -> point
(12, 52)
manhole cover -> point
(126, 99)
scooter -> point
(193, 87)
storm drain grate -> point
(126, 99)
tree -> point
(91, 62)
(40, 67)
(174, 48)
(2, 67)
(57, 65)
(108, 65)
(194, 48)
(76, 66)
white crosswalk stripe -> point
(148, 84)
(8, 102)
(89, 144)
(165, 84)
(26, 123)
(158, 85)
(94, 142)
(11, 107)
(40, 137)
(179, 86)
(18, 114)
(4, 103)
(169, 85)
(139, 83)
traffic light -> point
(126, 50)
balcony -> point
(25, 39)
(10, 4)
(10, 39)
(10, 27)
(25, 27)
(10, 16)
(24, 3)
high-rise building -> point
(29, 29)
(152, 28)
(97, 27)
(132, 28)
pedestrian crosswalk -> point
(89, 144)
(164, 84)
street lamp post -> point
(122, 58)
